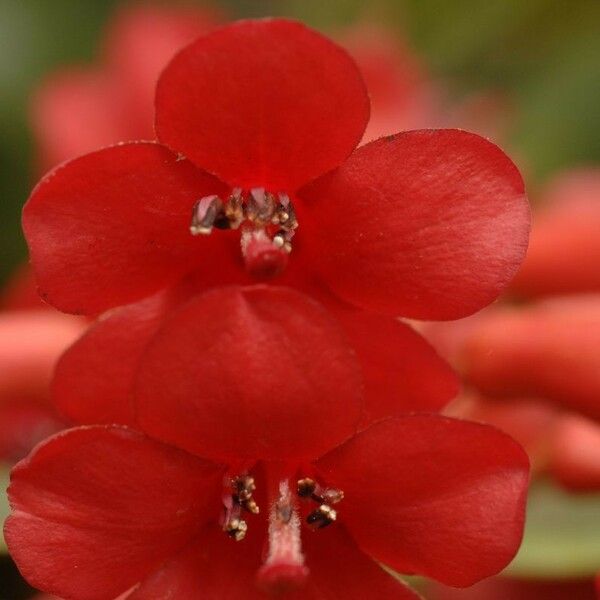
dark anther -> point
(306, 487)
(322, 517)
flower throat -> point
(267, 222)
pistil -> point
(284, 566)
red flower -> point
(426, 224)
(423, 494)
(30, 342)
(78, 110)
(564, 252)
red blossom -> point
(425, 494)
(31, 341)
(80, 109)
(564, 250)
(428, 224)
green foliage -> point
(562, 536)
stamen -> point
(240, 498)
(284, 566)
(322, 517)
(208, 212)
(309, 488)
(268, 220)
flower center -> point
(267, 222)
(284, 565)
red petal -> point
(427, 224)
(529, 421)
(564, 251)
(548, 351)
(266, 103)
(339, 569)
(94, 379)
(141, 41)
(74, 112)
(113, 226)
(30, 343)
(575, 460)
(96, 509)
(402, 372)
(213, 569)
(434, 496)
(234, 355)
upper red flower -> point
(257, 123)
(425, 494)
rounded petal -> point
(113, 226)
(204, 570)
(549, 351)
(427, 224)
(96, 509)
(263, 103)
(432, 495)
(94, 379)
(564, 250)
(257, 372)
(30, 343)
(401, 371)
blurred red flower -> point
(502, 588)
(534, 369)
(32, 339)
(564, 250)
(421, 494)
(81, 109)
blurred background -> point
(525, 73)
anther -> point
(208, 213)
(322, 517)
(236, 529)
(306, 487)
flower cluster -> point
(216, 408)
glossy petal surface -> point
(113, 226)
(427, 224)
(434, 496)
(266, 103)
(257, 372)
(402, 372)
(96, 509)
(549, 350)
(205, 570)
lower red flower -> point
(256, 475)
(421, 494)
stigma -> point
(267, 222)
